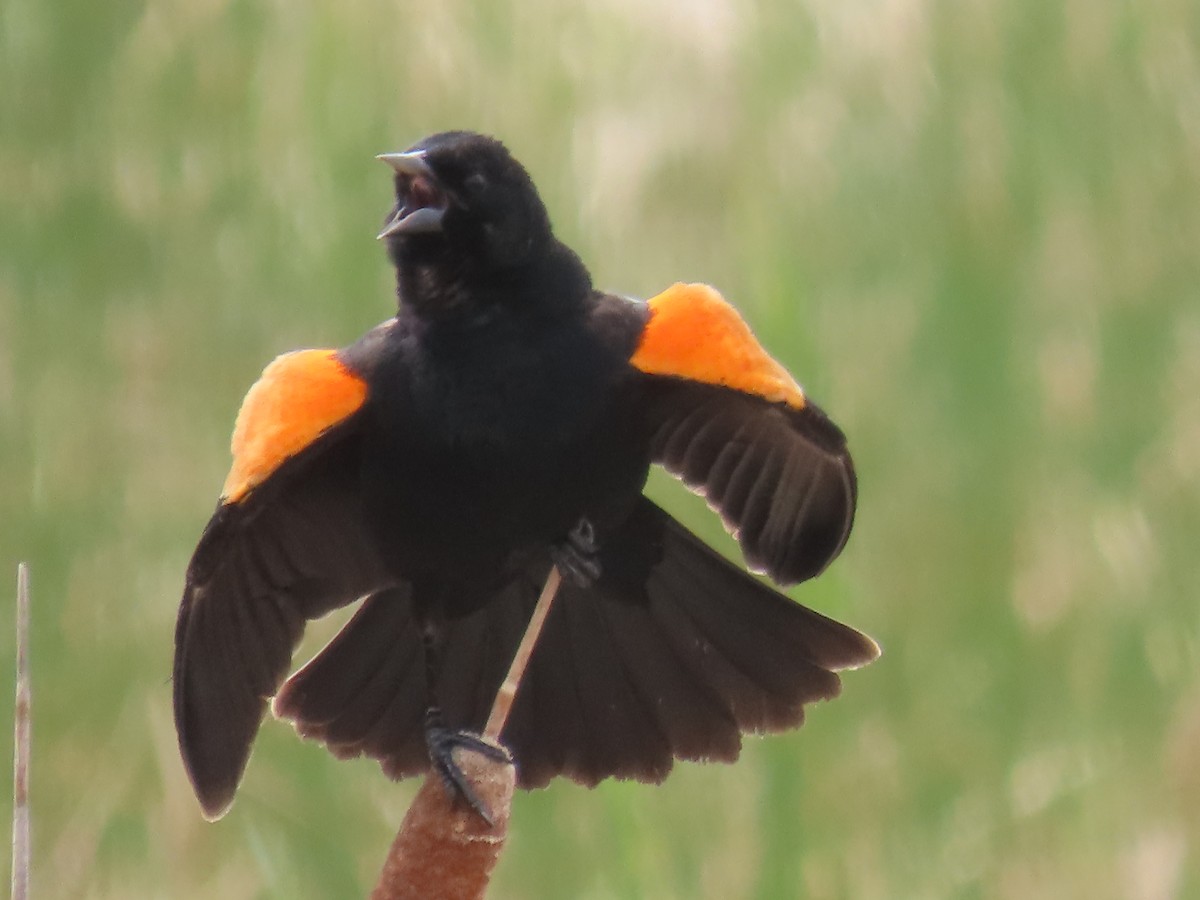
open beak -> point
(420, 198)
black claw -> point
(583, 537)
(441, 742)
(577, 556)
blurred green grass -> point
(972, 230)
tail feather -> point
(692, 718)
(623, 731)
(768, 661)
(672, 654)
(370, 704)
(352, 686)
(477, 651)
(741, 608)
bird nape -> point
(502, 422)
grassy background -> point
(972, 230)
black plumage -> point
(502, 406)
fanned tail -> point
(673, 654)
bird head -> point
(463, 201)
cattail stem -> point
(21, 744)
(508, 689)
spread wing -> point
(729, 421)
(286, 544)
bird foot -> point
(442, 743)
(577, 556)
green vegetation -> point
(973, 232)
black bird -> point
(502, 422)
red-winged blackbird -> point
(504, 421)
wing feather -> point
(732, 424)
(780, 477)
(285, 545)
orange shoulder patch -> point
(299, 396)
(693, 333)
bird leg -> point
(578, 556)
(441, 740)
